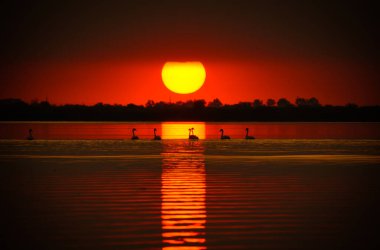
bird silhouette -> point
(222, 136)
(156, 137)
(248, 137)
(191, 134)
(134, 137)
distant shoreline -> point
(190, 111)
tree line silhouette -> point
(302, 109)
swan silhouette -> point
(134, 137)
(30, 136)
(191, 134)
(222, 136)
(248, 137)
(156, 137)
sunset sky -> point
(113, 51)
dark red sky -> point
(113, 51)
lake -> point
(179, 130)
(88, 186)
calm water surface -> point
(271, 193)
(179, 130)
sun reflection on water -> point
(180, 130)
(183, 196)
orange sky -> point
(112, 51)
(232, 81)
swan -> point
(30, 137)
(134, 137)
(191, 134)
(223, 137)
(156, 137)
(248, 137)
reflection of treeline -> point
(194, 110)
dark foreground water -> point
(176, 194)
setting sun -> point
(183, 77)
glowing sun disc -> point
(183, 77)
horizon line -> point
(264, 102)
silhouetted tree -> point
(257, 103)
(161, 105)
(271, 102)
(313, 102)
(193, 110)
(216, 103)
(199, 104)
(189, 104)
(301, 102)
(283, 103)
(149, 104)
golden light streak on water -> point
(183, 198)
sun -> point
(183, 77)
